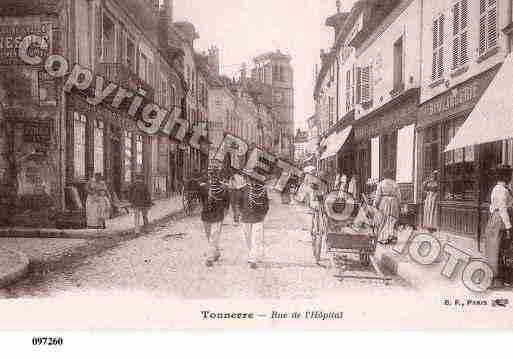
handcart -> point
(351, 231)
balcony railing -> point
(121, 75)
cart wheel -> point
(364, 259)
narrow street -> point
(169, 262)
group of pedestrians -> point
(250, 203)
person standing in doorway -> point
(430, 221)
(499, 225)
(237, 184)
(140, 198)
(97, 202)
(387, 200)
(215, 200)
(254, 205)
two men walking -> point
(250, 204)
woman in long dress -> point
(499, 225)
(97, 202)
(431, 202)
(387, 201)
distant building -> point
(300, 145)
(275, 70)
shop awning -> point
(335, 142)
(492, 118)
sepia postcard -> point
(232, 165)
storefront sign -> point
(456, 100)
(397, 117)
(12, 35)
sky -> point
(243, 29)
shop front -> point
(384, 144)
(465, 176)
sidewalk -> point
(122, 225)
(27, 249)
(427, 277)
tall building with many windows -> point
(274, 69)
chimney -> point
(213, 59)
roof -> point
(350, 20)
(272, 55)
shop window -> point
(388, 152)
(128, 157)
(143, 67)
(458, 180)
(79, 144)
(488, 33)
(163, 153)
(108, 39)
(437, 69)
(431, 150)
(139, 154)
(460, 33)
(130, 54)
(98, 147)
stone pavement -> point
(427, 277)
(22, 249)
(122, 225)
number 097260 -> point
(47, 341)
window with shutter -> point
(358, 85)
(488, 33)
(366, 85)
(460, 33)
(437, 68)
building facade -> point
(274, 70)
(410, 72)
(60, 139)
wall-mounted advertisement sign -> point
(11, 36)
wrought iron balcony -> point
(121, 75)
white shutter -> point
(365, 74)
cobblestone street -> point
(170, 262)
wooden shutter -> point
(455, 52)
(482, 6)
(441, 21)
(464, 14)
(463, 48)
(492, 27)
(456, 19)
(365, 80)
(435, 34)
(482, 35)
(435, 62)
(440, 62)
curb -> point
(17, 272)
(77, 233)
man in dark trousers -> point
(140, 198)
(215, 202)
